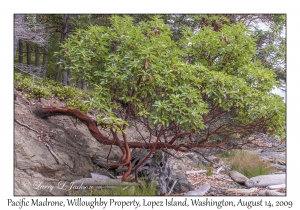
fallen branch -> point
(223, 179)
(102, 182)
(242, 191)
(196, 172)
(173, 185)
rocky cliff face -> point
(50, 153)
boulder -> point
(266, 180)
(238, 177)
(191, 159)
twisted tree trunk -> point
(157, 168)
(92, 126)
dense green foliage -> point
(268, 31)
(207, 81)
(271, 45)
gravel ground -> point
(267, 148)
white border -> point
(8, 8)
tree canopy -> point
(187, 82)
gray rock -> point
(266, 180)
(200, 191)
(94, 175)
(274, 187)
(192, 159)
(262, 192)
(216, 162)
(41, 171)
(204, 162)
(238, 177)
(274, 193)
(182, 185)
(181, 166)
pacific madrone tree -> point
(195, 92)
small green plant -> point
(208, 168)
(65, 92)
(78, 104)
(248, 163)
(209, 171)
(40, 92)
(44, 88)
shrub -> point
(44, 88)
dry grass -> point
(248, 163)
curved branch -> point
(51, 111)
(91, 124)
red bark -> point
(91, 124)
